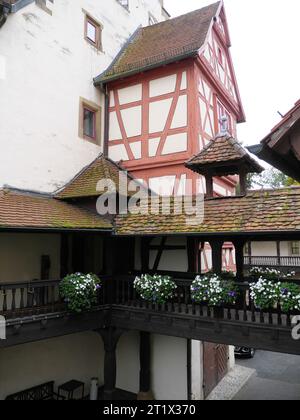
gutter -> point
(101, 81)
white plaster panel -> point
(184, 81)
(136, 149)
(114, 127)
(158, 115)
(132, 120)
(180, 115)
(163, 85)
(175, 143)
(163, 185)
(118, 152)
(153, 146)
(112, 99)
(220, 190)
(130, 94)
(169, 378)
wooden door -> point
(215, 365)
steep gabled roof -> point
(277, 148)
(258, 212)
(163, 43)
(84, 184)
(223, 151)
(25, 210)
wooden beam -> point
(110, 338)
(217, 255)
(159, 253)
(145, 367)
(239, 255)
(64, 255)
(192, 253)
(209, 186)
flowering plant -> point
(269, 273)
(214, 291)
(156, 289)
(80, 291)
(265, 293)
(289, 297)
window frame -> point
(98, 29)
(84, 104)
(295, 245)
(93, 112)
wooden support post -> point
(209, 186)
(278, 253)
(243, 183)
(64, 255)
(239, 255)
(110, 337)
(145, 254)
(192, 253)
(145, 393)
(217, 255)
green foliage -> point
(80, 291)
(270, 178)
(289, 297)
(214, 291)
(155, 289)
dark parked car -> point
(244, 352)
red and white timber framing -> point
(160, 118)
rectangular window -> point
(295, 248)
(93, 32)
(89, 121)
(222, 112)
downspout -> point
(104, 90)
(106, 122)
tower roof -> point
(223, 156)
(163, 43)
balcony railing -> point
(42, 297)
(19, 300)
(288, 263)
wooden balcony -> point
(34, 311)
(283, 263)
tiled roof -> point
(28, 210)
(220, 151)
(85, 183)
(164, 42)
(258, 212)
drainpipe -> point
(106, 122)
(4, 11)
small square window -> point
(89, 121)
(93, 32)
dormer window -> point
(93, 32)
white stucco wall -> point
(20, 256)
(59, 359)
(46, 66)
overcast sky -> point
(265, 49)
